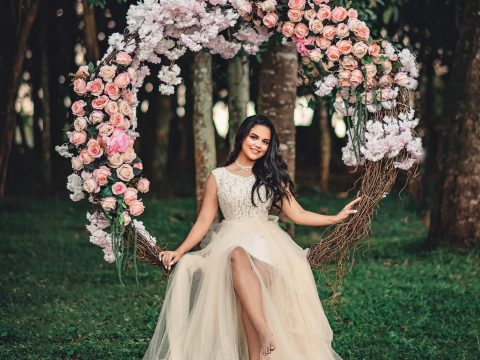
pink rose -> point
(112, 90)
(386, 67)
(363, 32)
(136, 208)
(295, 15)
(119, 188)
(86, 157)
(370, 82)
(96, 117)
(130, 195)
(322, 43)
(126, 218)
(117, 120)
(356, 77)
(324, 13)
(94, 148)
(100, 102)
(133, 73)
(138, 165)
(344, 74)
(122, 80)
(77, 137)
(339, 14)
(111, 108)
(342, 30)
(374, 49)
(115, 160)
(105, 129)
(129, 155)
(118, 142)
(316, 26)
(333, 53)
(101, 175)
(125, 172)
(123, 58)
(77, 107)
(124, 108)
(143, 185)
(329, 32)
(90, 186)
(95, 87)
(349, 63)
(385, 80)
(301, 30)
(108, 203)
(345, 83)
(82, 72)
(244, 8)
(316, 55)
(352, 13)
(79, 86)
(370, 70)
(354, 24)
(310, 14)
(318, 2)
(360, 49)
(402, 78)
(296, 4)
(288, 29)
(129, 97)
(344, 46)
(271, 19)
(107, 72)
(80, 123)
(77, 163)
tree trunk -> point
(238, 95)
(7, 128)
(160, 152)
(90, 33)
(203, 128)
(456, 211)
(325, 145)
(276, 99)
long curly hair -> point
(270, 170)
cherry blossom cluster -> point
(388, 138)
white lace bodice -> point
(234, 196)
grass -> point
(59, 299)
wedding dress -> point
(200, 317)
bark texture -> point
(277, 94)
(7, 113)
(456, 213)
(90, 33)
(325, 146)
(238, 95)
(203, 128)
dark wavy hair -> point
(270, 170)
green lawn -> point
(59, 299)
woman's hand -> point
(168, 258)
(347, 210)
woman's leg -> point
(253, 340)
(248, 289)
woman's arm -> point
(206, 216)
(300, 216)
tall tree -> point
(455, 212)
(238, 95)
(276, 99)
(203, 129)
(160, 147)
(23, 17)
(325, 145)
(90, 32)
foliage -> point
(61, 300)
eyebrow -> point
(252, 133)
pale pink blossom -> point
(100, 102)
(143, 185)
(333, 53)
(288, 29)
(270, 20)
(339, 14)
(295, 15)
(94, 148)
(352, 13)
(322, 43)
(125, 172)
(324, 13)
(108, 203)
(79, 86)
(315, 26)
(86, 157)
(77, 137)
(115, 160)
(329, 32)
(80, 123)
(82, 72)
(111, 107)
(310, 14)
(301, 31)
(101, 175)
(77, 163)
(130, 195)
(296, 4)
(360, 49)
(374, 49)
(112, 90)
(78, 107)
(95, 87)
(344, 46)
(96, 117)
(136, 208)
(122, 80)
(90, 185)
(107, 72)
(123, 58)
(119, 188)
(356, 77)
(118, 142)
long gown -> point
(200, 318)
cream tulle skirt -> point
(201, 319)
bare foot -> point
(268, 342)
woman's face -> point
(255, 144)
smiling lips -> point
(256, 152)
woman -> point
(249, 292)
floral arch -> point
(373, 81)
